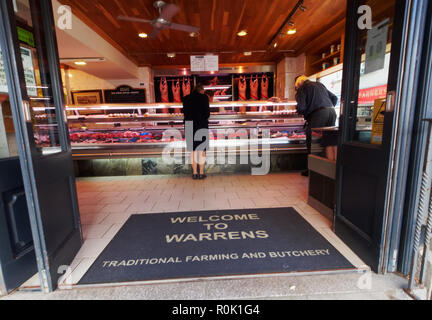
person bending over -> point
(316, 104)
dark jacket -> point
(196, 108)
(312, 96)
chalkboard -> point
(125, 94)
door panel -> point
(44, 146)
(17, 256)
(371, 66)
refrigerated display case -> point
(138, 130)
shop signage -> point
(213, 243)
(369, 95)
(26, 37)
(3, 83)
(204, 63)
(376, 47)
(29, 74)
(125, 94)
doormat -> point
(214, 243)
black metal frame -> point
(398, 123)
(418, 147)
(32, 162)
(14, 71)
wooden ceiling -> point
(219, 20)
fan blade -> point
(154, 33)
(133, 19)
(183, 27)
(169, 11)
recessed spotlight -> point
(171, 55)
(80, 63)
(292, 31)
(242, 33)
(193, 34)
(275, 45)
(247, 53)
(143, 35)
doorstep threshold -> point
(359, 270)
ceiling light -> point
(82, 59)
(80, 63)
(171, 55)
(275, 45)
(242, 33)
(247, 53)
(143, 35)
(292, 31)
(193, 34)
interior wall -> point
(80, 80)
(287, 70)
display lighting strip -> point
(171, 106)
(217, 87)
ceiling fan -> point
(166, 12)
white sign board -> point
(29, 74)
(376, 47)
(212, 63)
(204, 63)
(3, 83)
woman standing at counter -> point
(196, 109)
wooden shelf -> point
(327, 58)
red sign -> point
(369, 95)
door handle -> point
(390, 101)
(27, 112)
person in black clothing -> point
(316, 104)
(196, 110)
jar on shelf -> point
(332, 49)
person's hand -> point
(254, 88)
(264, 87)
(186, 86)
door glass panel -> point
(8, 146)
(375, 51)
(39, 109)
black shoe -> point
(202, 176)
(195, 177)
(305, 173)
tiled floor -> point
(106, 204)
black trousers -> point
(324, 117)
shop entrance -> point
(362, 211)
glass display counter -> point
(140, 130)
(131, 139)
